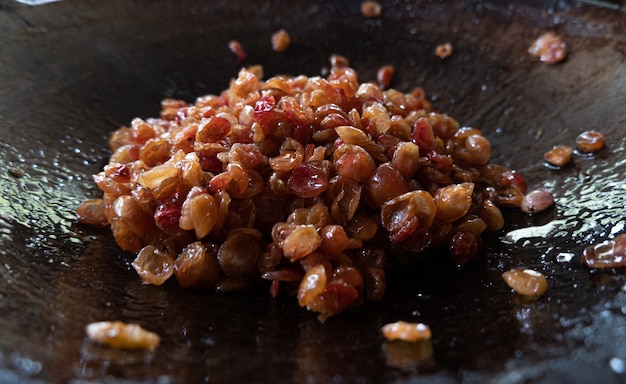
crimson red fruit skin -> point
(306, 182)
(423, 135)
(167, 216)
(236, 48)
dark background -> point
(72, 71)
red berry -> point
(166, 218)
(307, 180)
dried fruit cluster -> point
(312, 183)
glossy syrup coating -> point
(305, 180)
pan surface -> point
(72, 71)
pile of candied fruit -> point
(315, 185)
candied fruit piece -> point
(280, 40)
(385, 75)
(549, 48)
(559, 155)
(453, 201)
(239, 253)
(301, 241)
(196, 266)
(384, 185)
(371, 9)
(118, 334)
(307, 180)
(590, 141)
(291, 180)
(92, 212)
(236, 48)
(405, 331)
(537, 201)
(526, 282)
(444, 50)
(153, 265)
(607, 254)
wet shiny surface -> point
(73, 71)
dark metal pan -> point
(72, 71)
